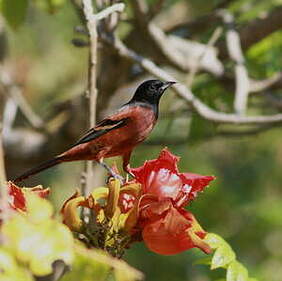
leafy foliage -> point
(50, 6)
(14, 11)
(36, 239)
(224, 257)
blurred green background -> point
(243, 205)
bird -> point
(117, 134)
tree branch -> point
(91, 93)
(118, 7)
(215, 36)
(250, 33)
(182, 91)
(181, 53)
(4, 196)
(236, 54)
(15, 92)
(262, 85)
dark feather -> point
(102, 128)
(37, 169)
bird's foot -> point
(127, 169)
(112, 173)
(118, 177)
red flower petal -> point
(17, 200)
(166, 227)
(194, 183)
(152, 209)
(17, 195)
(166, 160)
(173, 233)
(39, 190)
(161, 178)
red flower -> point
(17, 195)
(167, 228)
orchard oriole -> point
(116, 135)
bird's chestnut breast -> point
(140, 122)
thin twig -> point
(118, 7)
(9, 116)
(4, 196)
(215, 36)
(12, 89)
(261, 85)
(2, 165)
(92, 93)
(92, 90)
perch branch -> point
(91, 93)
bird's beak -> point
(167, 85)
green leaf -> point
(214, 240)
(236, 272)
(225, 257)
(14, 11)
(222, 256)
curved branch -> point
(182, 91)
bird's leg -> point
(126, 165)
(111, 172)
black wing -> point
(101, 128)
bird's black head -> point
(150, 91)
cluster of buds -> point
(148, 208)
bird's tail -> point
(45, 165)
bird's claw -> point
(119, 177)
(116, 176)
